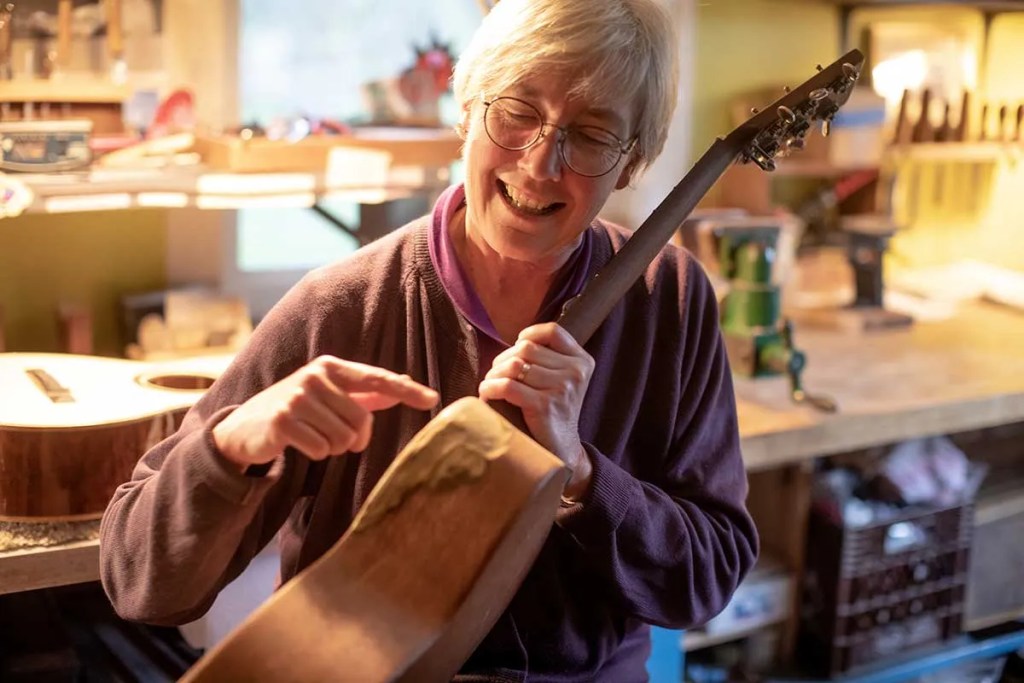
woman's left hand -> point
(546, 375)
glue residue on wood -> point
(455, 448)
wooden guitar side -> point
(68, 474)
(479, 495)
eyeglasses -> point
(515, 125)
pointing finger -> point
(367, 379)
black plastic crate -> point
(879, 590)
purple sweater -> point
(663, 536)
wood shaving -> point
(20, 535)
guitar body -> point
(73, 427)
(437, 551)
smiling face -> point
(527, 205)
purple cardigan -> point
(662, 538)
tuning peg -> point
(786, 89)
(754, 110)
(818, 94)
(761, 158)
(795, 144)
(826, 127)
(818, 67)
(850, 71)
(786, 114)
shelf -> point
(370, 166)
(914, 664)
(110, 189)
(71, 89)
(407, 146)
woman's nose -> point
(543, 160)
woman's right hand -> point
(324, 408)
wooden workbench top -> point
(932, 378)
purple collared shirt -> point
(568, 283)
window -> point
(313, 58)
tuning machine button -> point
(850, 71)
(826, 127)
(762, 158)
(818, 94)
(786, 114)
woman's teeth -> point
(525, 203)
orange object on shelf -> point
(428, 147)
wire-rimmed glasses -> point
(591, 151)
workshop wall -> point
(87, 259)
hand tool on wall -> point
(63, 61)
(923, 129)
(925, 178)
(904, 129)
(961, 173)
(977, 169)
(960, 133)
(945, 131)
(943, 169)
(115, 42)
(6, 40)
(908, 169)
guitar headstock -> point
(782, 126)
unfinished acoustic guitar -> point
(426, 567)
(72, 427)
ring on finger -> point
(523, 370)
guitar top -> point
(58, 391)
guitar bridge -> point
(54, 390)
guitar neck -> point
(584, 314)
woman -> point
(562, 103)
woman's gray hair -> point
(609, 51)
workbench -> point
(941, 377)
(933, 378)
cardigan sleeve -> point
(188, 522)
(672, 550)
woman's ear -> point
(627, 172)
(462, 127)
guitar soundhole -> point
(177, 382)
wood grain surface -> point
(932, 378)
(422, 574)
